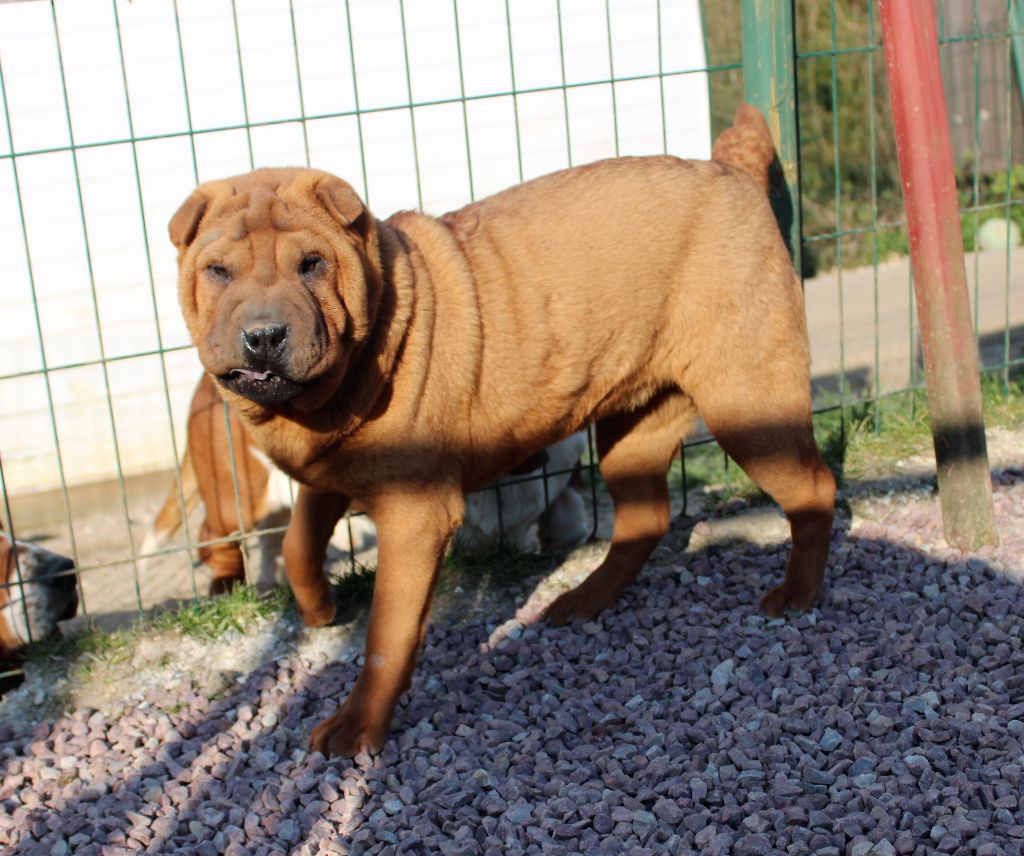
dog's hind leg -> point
(760, 413)
(635, 451)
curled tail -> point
(747, 145)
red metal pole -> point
(940, 280)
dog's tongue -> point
(249, 373)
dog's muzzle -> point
(264, 378)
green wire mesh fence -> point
(112, 111)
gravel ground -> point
(889, 720)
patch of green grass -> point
(91, 643)
(207, 619)
(898, 426)
(236, 610)
(889, 429)
(85, 650)
(501, 567)
(1004, 399)
(992, 189)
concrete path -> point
(997, 300)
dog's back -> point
(643, 253)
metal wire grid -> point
(1005, 30)
(833, 53)
(191, 132)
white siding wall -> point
(96, 290)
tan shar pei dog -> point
(401, 363)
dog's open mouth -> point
(263, 387)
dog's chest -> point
(350, 465)
(301, 454)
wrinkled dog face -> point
(44, 595)
(278, 272)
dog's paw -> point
(789, 598)
(318, 614)
(584, 602)
(346, 734)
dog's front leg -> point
(314, 517)
(413, 533)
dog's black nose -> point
(57, 572)
(261, 343)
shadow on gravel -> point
(224, 772)
(681, 721)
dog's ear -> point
(185, 223)
(339, 199)
(359, 294)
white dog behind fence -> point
(523, 512)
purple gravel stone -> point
(754, 845)
(720, 844)
(831, 740)
(705, 836)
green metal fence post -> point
(769, 83)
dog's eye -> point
(218, 273)
(311, 267)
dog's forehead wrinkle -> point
(283, 216)
(210, 237)
(263, 243)
(238, 228)
(259, 213)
